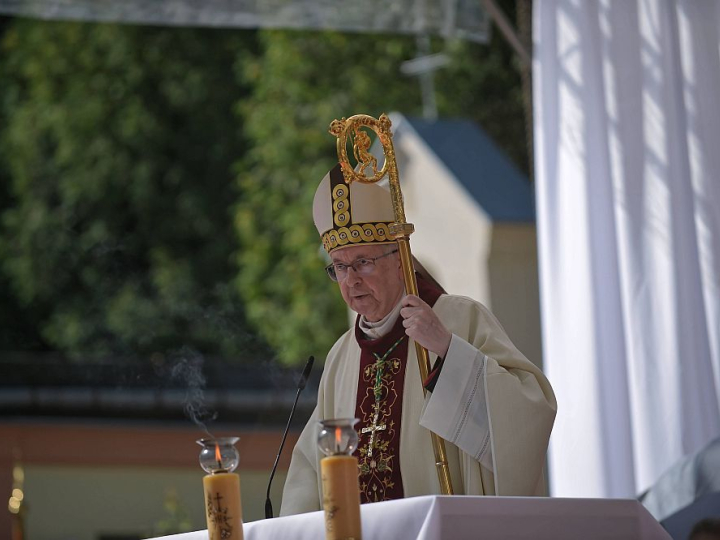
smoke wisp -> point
(188, 368)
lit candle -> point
(339, 472)
(223, 508)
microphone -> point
(300, 387)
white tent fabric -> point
(627, 133)
(465, 19)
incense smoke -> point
(188, 368)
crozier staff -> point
(494, 408)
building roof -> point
(479, 165)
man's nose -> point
(353, 277)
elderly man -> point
(492, 406)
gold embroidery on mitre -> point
(341, 215)
(356, 234)
(344, 232)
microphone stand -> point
(301, 386)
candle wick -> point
(218, 457)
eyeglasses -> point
(363, 266)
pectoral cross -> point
(373, 429)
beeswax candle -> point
(221, 488)
(222, 506)
(341, 497)
(338, 439)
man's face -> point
(376, 294)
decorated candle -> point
(339, 471)
(221, 487)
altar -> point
(436, 517)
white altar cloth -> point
(435, 517)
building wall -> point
(495, 263)
(87, 503)
(86, 480)
(452, 233)
(514, 289)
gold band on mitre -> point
(352, 214)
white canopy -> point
(458, 18)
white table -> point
(472, 518)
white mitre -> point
(355, 214)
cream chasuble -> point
(494, 408)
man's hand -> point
(423, 325)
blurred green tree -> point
(118, 142)
(17, 328)
(301, 81)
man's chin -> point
(364, 306)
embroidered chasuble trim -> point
(381, 383)
(379, 408)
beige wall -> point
(514, 289)
(87, 479)
(82, 503)
(494, 263)
(452, 233)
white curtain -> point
(627, 145)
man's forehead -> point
(352, 253)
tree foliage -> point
(118, 142)
(301, 82)
(17, 328)
(133, 159)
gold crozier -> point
(400, 230)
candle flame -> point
(218, 456)
(338, 434)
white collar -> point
(375, 330)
